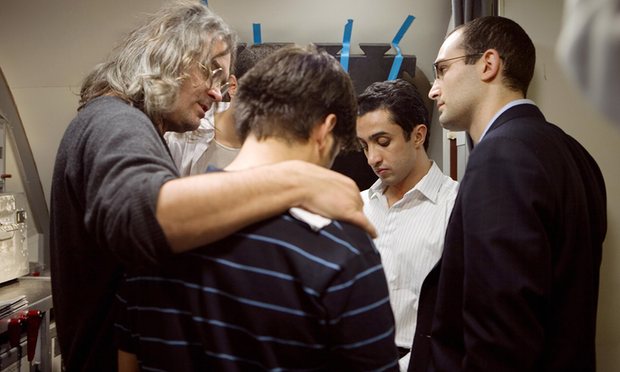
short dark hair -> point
(249, 56)
(511, 42)
(287, 93)
(402, 100)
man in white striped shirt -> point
(411, 202)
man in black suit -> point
(517, 286)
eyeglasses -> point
(213, 78)
(440, 67)
(223, 88)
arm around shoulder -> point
(198, 210)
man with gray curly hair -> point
(117, 199)
(215, 142)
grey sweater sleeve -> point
(118, 163)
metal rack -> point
(11, 124)
(32, 321)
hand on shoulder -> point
(329, 193)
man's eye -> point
(216, 74)
(383, 142)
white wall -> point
(46, 48)
(563, 105)
(303, 21)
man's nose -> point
(434, 92)
(374, 156)
(215, 93)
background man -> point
(117, 201)
(588, 49)
(215, 141)
(293, 292)
(518, 282)
(410, 203)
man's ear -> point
(492, 64)
(419, 134)
(322, 131)
(232, 85)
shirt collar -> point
(504, 109)
(428, 186)
(206, 130)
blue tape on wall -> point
(258, 39)
(205, 2)
(346, 45)
(398, 59)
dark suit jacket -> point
(517, 286)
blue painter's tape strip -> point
(398, 59)
(205, 2)
(403, 29)
(257, 36)
(346, 45)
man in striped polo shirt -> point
(410, 203)
(294, 292)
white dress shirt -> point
(189, 149)
(410, 239)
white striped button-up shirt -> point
(410, 239)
